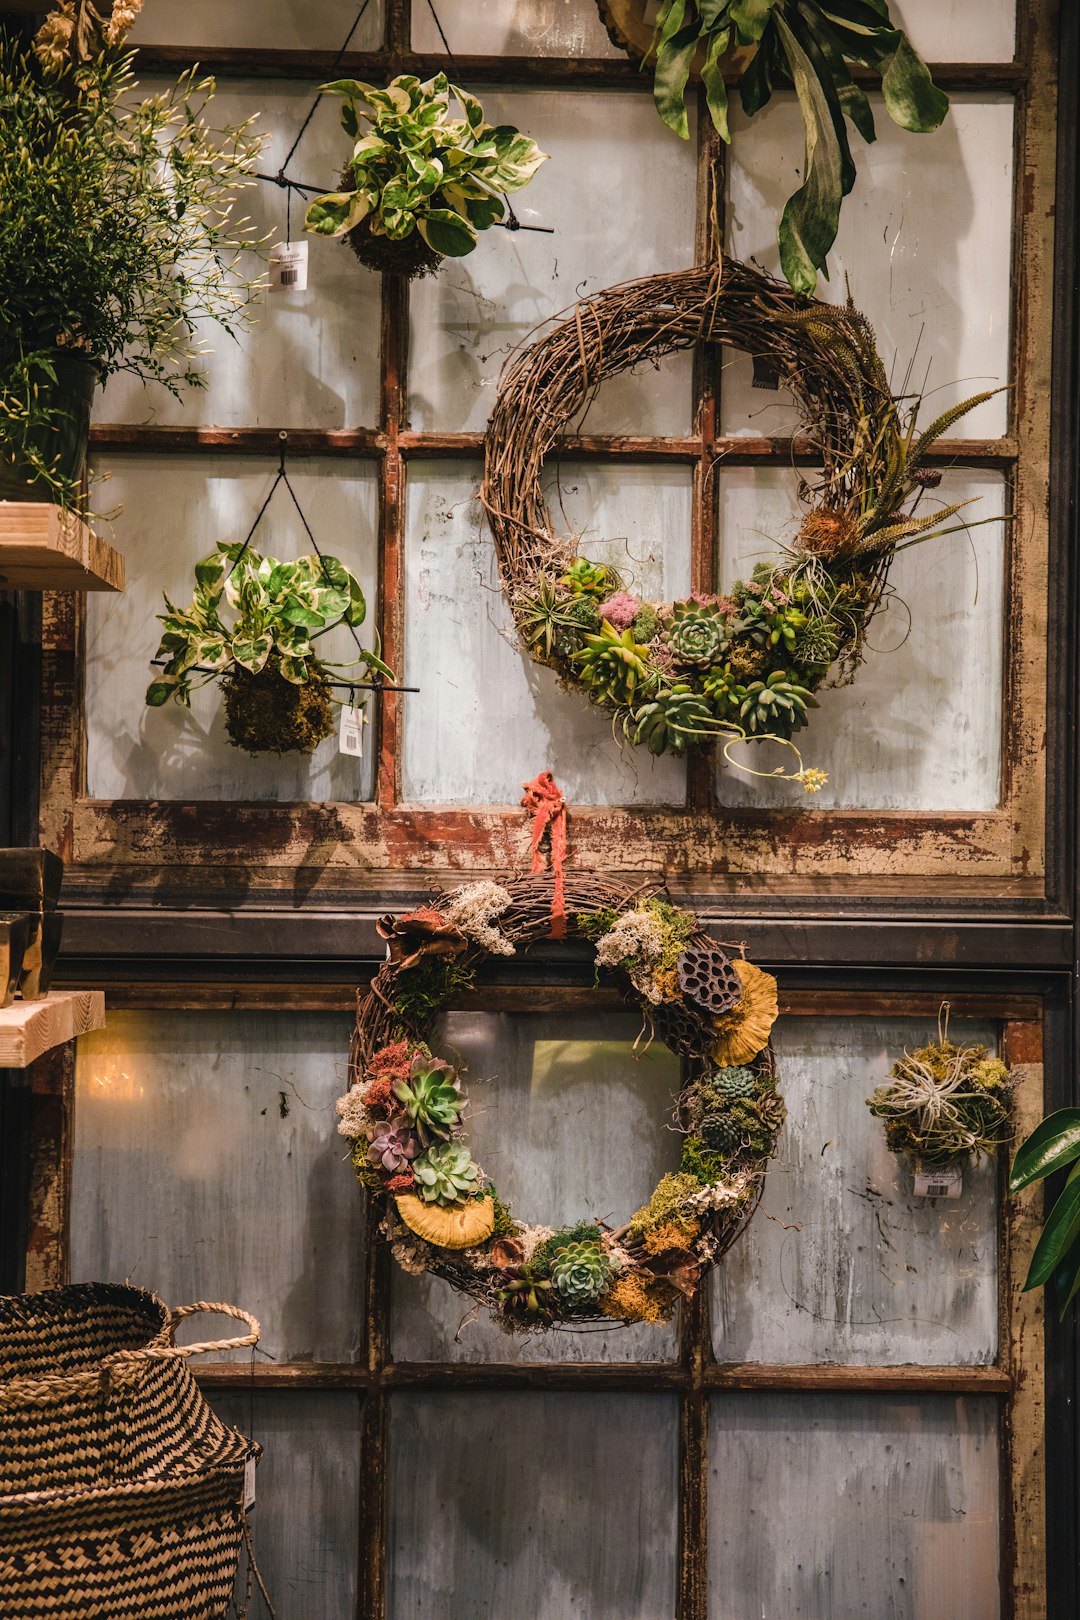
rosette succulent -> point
(430, 1098)
(734, 1081)
(776, 705)
(581, 1273)
(553, 622)
(817, 644)
(446, 1173)
(585, 578)
(392, 1146)
(612, 665)
(698, 634)
(675, 717)
(724, 690)
(526, 1293)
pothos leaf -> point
(811, 215)
(912, 99)
(252, 652)
(447, 233)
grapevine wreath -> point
(745, 665)
(406, 1112)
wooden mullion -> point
(375, 1426)
(394, 409)
(398, 35)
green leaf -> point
(751, 18)
(811, 215)
(675, 49)
(159, 692)
(356, 612)
(1058, 1235)
(517, 159)
(210, 573)
(351, 89)
(851, 98)
(1051, 1146)
(756, 84)
(712, 78)
(447, 233)
(328, 215)
(912, 99)
(295, 670)
(1067, 1280)
(251, 652)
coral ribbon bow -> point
(546, 805)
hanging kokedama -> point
(944, 1102)
(406, 1111)
(808, 45)
(420, 183)
(277, 690)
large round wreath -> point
(406, 1110)
(744, 665)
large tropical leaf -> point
(912, 99)
(1058, 1236)
(675, 43)
(811, 215)
(1051, 1146)
(712, 79)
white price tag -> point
(288, 267)
(351, 731)
(945, 1182)
(249, 1484)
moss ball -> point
(266, 714)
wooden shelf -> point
(29, 1028)
(43, 548)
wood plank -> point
(43, 548)
(30, 1028)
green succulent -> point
(646, 623)
(724, 690)
(446, 1173)
(817, 644)
(776, 705)
(612, 665)
(431, 1097)
(721, 1133)
(526, 1293)
(672, 719)
(581, 1273)
(553, 623)
(589, 579)
(698, 634)
(735, 1081)
(770, 622)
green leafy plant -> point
(612, 665)
(415, 168)
(430, 1098)
(674, 718)
(776, 705)
(807, 44)
(280, 609)
(1054, 1145)
(118, 237)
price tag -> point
(288, 267)
(351, 731)
(945, 1182)
(249, 1484)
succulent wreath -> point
(743, 666)
(405, 1111)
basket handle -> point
(167, 1347)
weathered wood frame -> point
(980, 864)
(1015, 1380)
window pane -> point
(571, 1124)
(925, 237)
(478, 688)
(858, 1507)
(521, 28)
(619, 192)
(942, 29)
(550, 1505)
(853, 1268)
(316, 25)
(311, 359)
(207, 1166)
(920, 726)
(307, 1508)
(176, 509)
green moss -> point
(703, 1163)
(504, 1225)
(266, 714)
(423, 990)
(366, 1173)
(665, 1204)
(593, 925)
(646, 623)
(677, 928)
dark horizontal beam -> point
(594, 1376)
(605, 72)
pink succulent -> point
(393, 1145)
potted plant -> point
(277, 690)
(421, 182)
(116, 237)
(807, 45)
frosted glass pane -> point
(310, 359)
(925, 238)
(513, 28)
(920, 726)
(859, 1271)
(307, 1508)
(619, 191)
(945, 31)
(570, 1123)
(207, 1166)
(313, 25)
(858, 1508)
(496, 716)
(175, 510)
(555, 1506)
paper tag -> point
(945, 1182)
(351, 731)
(249, 1484)
(288, 267)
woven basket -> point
(121, 1492)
